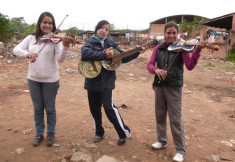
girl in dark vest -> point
(168, 89)
(100, 88)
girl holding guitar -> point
(100, 88)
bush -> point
(231, 55)
(6, 31)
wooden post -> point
(227, 43)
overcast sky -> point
(124, 14)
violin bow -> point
(50, 36)
(173, 60)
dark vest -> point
(175, 73)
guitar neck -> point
(126, 53)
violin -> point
(56, 38)
(182, 45)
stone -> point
(106, 158)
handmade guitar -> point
(91, 69)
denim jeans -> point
(43, 95)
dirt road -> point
(208, 114)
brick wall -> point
(157, 29)
(232, 36)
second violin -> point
(182, 45)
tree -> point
(73, 30)
(191, 28)
(112, 27)
(29, 29)
(6, 30)
(19, 24)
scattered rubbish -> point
(121, 106)
(20, 151)
(27, 131)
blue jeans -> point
(44, 95)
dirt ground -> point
(208, 114)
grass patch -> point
(231, 55)
(209, 64)
(15, 42)
(230, 67)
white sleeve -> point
(21, 50)
(61, 52)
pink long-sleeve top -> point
(190, 62)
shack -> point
(223, 26)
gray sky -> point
(131, 14)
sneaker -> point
(37, 140)
(158, 145)
(178, 157)
(50, 140)
(121, 141)
(97, 138)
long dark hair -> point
(100, 25)
(171, 24)
(38, 30)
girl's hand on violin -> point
(32, 57)
(161, 74)
(200, 45)
(109, 52)
(144, 48)
(66, 41)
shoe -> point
(178, 157)
(50, 140)
(37, 140)
(97, 138)
(158, 145)
(121, 141)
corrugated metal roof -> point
(176, 18)
(220, 22)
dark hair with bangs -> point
(100, 25)
(38, 30)
(171, 24)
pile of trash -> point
(6, 52)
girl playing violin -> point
(168, 88)
(43, 74)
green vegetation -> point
(6, 30)
(209, 64)
(72, 30)
(29, 29)
(230, 68)
(231, 55)
(192, 28)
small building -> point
(223, 24)
(157, 26)
(126, 37)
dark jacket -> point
(93, 51)
(175, 73)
